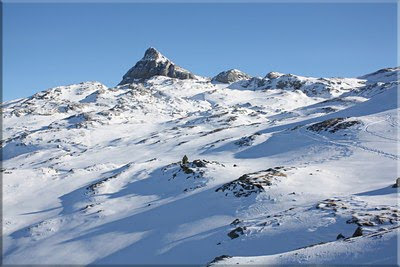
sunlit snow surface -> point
(93, 174)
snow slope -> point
(94, 175)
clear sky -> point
(46, 45)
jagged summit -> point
(230, 76)
(153, 54)
(153, 64)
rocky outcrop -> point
(250, 84)
(235, 233)
(254, 182)
(358, 232)
(313, 87)
(333, 125)
(153, 64)
(230, 76)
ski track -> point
(388, 119)
(356, 144)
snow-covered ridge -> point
(184, 171)
(383, 75)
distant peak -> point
(153, 64)
(230, 76)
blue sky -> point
(46, 45)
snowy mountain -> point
(169, 167)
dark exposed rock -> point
(194, 172)
(333, 125)
(235, 233)
(340, 236)
(250, 84)
(155, 64)
(213, 131)
(296, 85)
(358, 232)
(344, 125)
(185, 160)
(328, 109)
(230, 76)
(256, 82)
(397, 184)
(92, 188)
(199, 163)
(250, 183)
(247, 140)
(324, 125)
(187, 166)
(369, 219)
(331, 204)
(236, 222)
(186, 169)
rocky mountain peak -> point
(153, 54)
(230, 76)
(153, 64)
